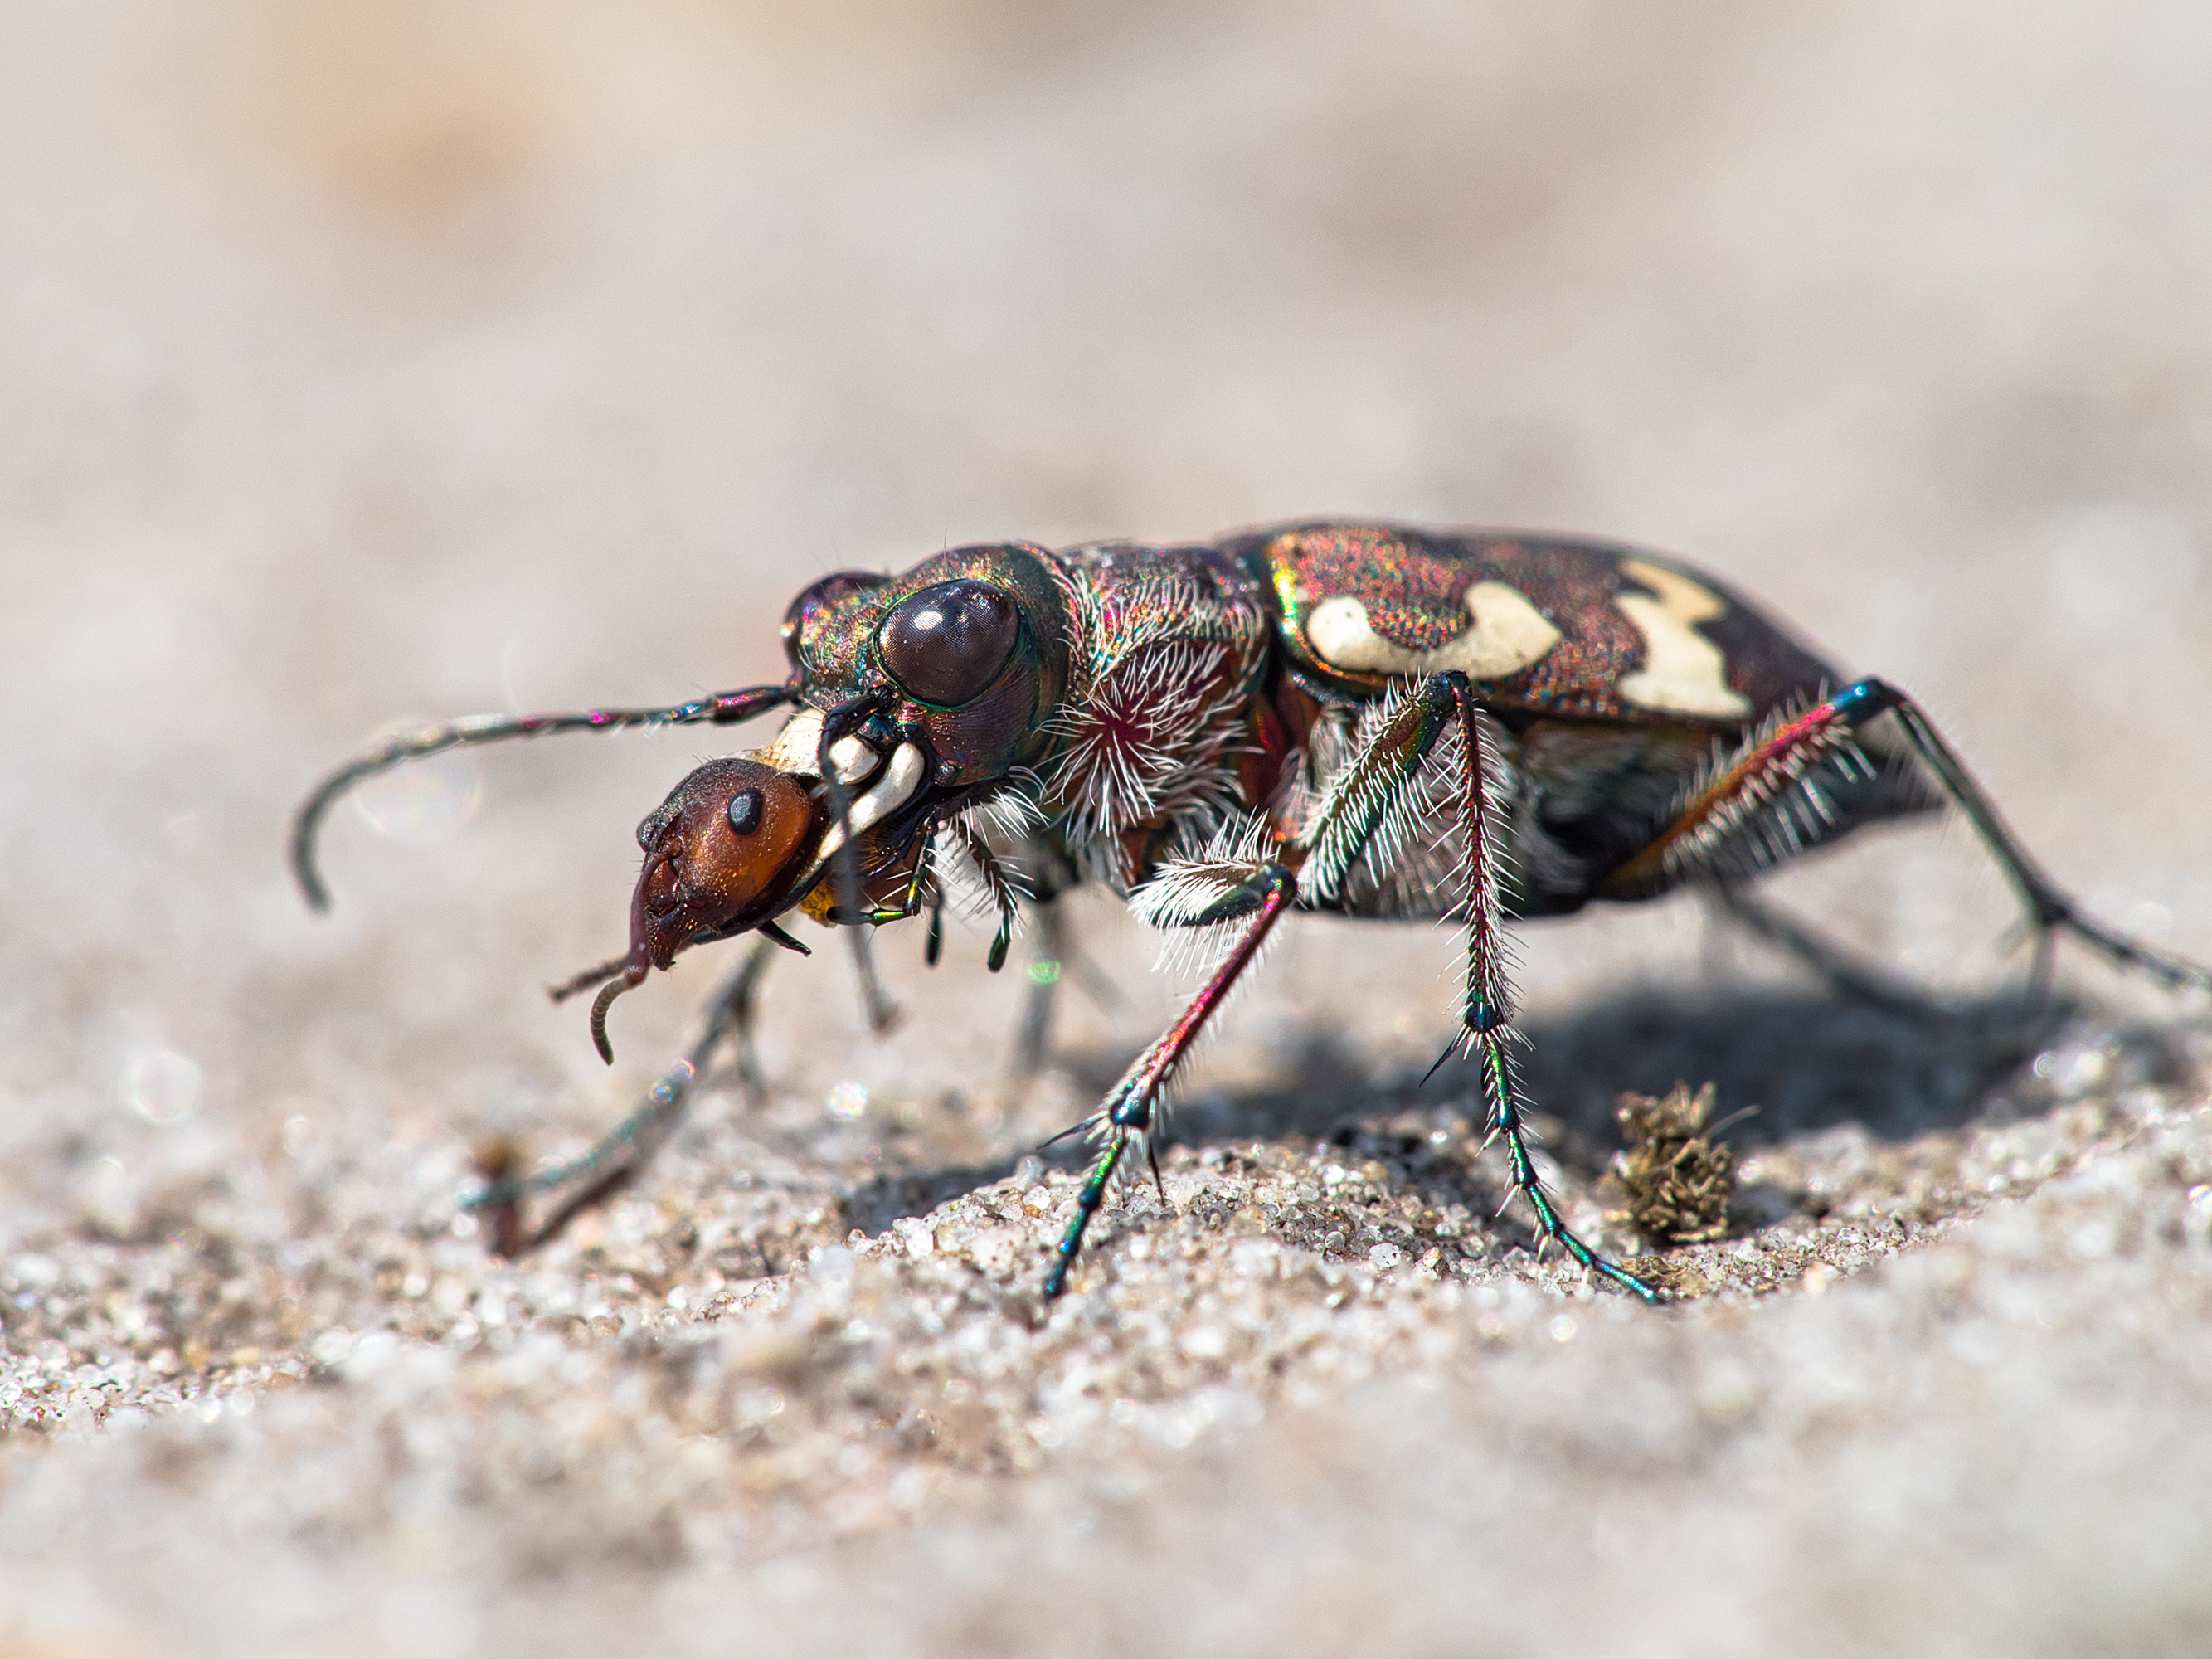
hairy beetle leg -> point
(1002, 885)
(1487, 1011)
(1773, 762)
(1127, 1110)
(1374, 799)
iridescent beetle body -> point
(1370, 720)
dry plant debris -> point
(1678, 1180)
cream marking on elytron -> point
(1508, 634)
(1683, 672)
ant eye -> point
(745, 812)
(946, 644)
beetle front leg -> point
(617, 1155)
(999, 883)
(1126, 1113)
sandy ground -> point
(365, 361)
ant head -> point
(721, 855)
(725, 851)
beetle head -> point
(971, 650)
(936, 683)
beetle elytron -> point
(1366, 719)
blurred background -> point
(369, 359)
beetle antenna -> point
(418, 743)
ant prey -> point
(1370, 720)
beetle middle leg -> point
(1366, 809)
(1369, 807)
(1487, 1012)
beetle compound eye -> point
(745, 812)
(825, 594)
(946, 644)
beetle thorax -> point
(1173, 645)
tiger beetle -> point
(1366, 719)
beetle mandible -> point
(1367, 719)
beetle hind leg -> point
(1756, 780)
(2048, 907)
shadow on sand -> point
(1807, 1060)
